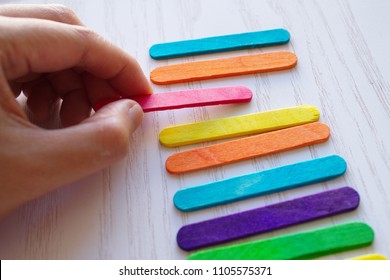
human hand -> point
(47, 54)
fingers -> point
(69, 154)
(99, 89)
(8, 104)
(54, 158)
(54, 12)
(121, 71)
(70, 46)
(69, 86)
(40, 102)
(74, 108)
(109, 71)
(95, 143)
(49, 42)
(40, 99)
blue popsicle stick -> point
(260, 183)
(220, 44)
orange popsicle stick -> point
(246, 148)
(225, 67)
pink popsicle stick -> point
(187, 98)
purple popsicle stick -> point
(268, 218)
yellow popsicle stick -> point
(370, 257)
(238, 126)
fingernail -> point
(135, 115)
(150, 91)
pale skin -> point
(48, 55)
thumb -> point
(50, 159)
(97, 142)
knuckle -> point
(89, 36)
(65, 14)
(88, 40)
(113, 138)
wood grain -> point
(223, 67)
(298, 246)
(247, 148)
(126, 211)
(221, 43)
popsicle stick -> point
(238, 126)
(246, 148)
(303, 245)
(268, 218)
(188, 98)
(260, 183)
(370, 257)
(223, 67)
(194, 98)
(220, 43)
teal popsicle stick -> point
(260, 183)
(298, 246)
(220, 44)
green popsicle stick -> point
(303, 245)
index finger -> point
(45, 46)
(55, 12)
(121, 70)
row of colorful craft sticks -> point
(261, 220)
(223, 67)
(277, 131)
(211, 69)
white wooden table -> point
(126, 211)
